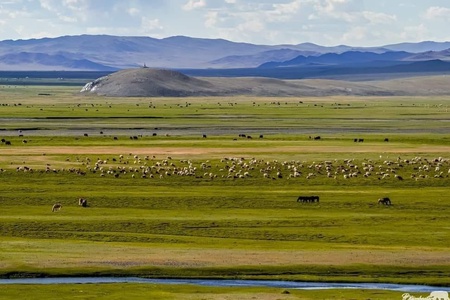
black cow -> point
(385, 201)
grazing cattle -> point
(7, 143)
(204, 136)
(82, 202)
(317, 137)
(56, 207)
(386, 140)
(86, 134)
(385, 201)
(261, 136)
(360, 140)
(308, 199)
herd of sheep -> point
(235, 168)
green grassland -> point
(224, 206)
(167, 292)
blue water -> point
(229, 283)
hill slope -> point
(146, 82)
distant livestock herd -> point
(302, 199)
(235, 168)
(315, 199)
(81, 202)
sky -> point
(323, 22)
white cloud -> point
(415, 33)
(283, 12)
(212, 18)
(194, 4)
(132, 11)
(378, 18)
(355, 35)
(151, 25)
(437, 12)
(251, 26)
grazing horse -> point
(308, 199)
(385, 201)
(82, 202)
(56, 207)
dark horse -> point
(385, 201)
(82, 202)
(308, 199)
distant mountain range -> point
(215, 57)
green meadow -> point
(171, 203)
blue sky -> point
(324, 22)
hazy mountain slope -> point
(24, 60)
(419, 47)
(339, 59)
(335, 49)
(431, 55)
(255, 60)
(179, 52)
(125, 52)
(366, 70)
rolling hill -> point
(147, 82)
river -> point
(228, 283)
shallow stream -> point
(229, 283)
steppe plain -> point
(177, 189)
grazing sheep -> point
(56, 207)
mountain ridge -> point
(109, 52)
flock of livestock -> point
(239, 168)
(236, 168)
